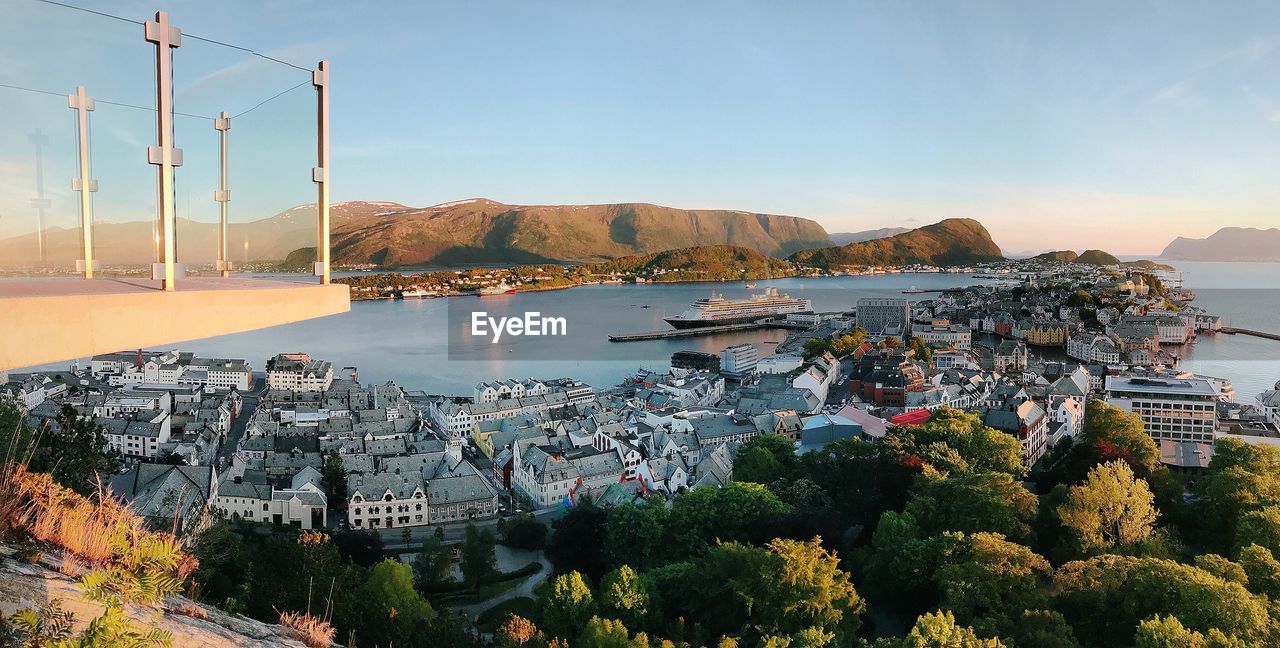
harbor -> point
(710, 330)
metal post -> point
(164, 155)
(82, 104)
(40, 202)
(223, 195)
(320, 174)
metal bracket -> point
(319, 175)
(157, 155)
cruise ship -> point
(716, 310)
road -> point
(510, 560)
(249, 405)
(392, 539)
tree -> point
(705, 514)
(1107, 596)
(1241, 477)
(478, 557)
(1168, 632)
(604, 633)
(433, 565)
(988, 582)
(1262, 571)
(523, 531)
(222, 563)
(360, 546)
(957, 442)
(991, 502)
(1111, 509)
(334, 477)
(814, 347)
(756, 465)
(1042, 629)
(801, 494)
(394, 608)
(75, 454)
(567, 549)
(1120, 433)
(567, 604)
(519, 632)
(1260, 527)
(633, 532)
(782, 451)
(623, 595)
(890, 342)
(939, 630)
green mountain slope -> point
(704, 263)
(1097, 257)
(954, 241)
(1060, 256)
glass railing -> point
(85, 170)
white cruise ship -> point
(716, 310)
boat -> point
(913, 291)
(750, 286)
(718, 311)
(500, 289)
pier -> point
(1262, 334)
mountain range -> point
(845, 238)
(1228, 244)
(954, 241)
(463, 232)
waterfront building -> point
(695, 360)
(1047, 334)
(739, 361)
(1179, 409)
(1269, 405)
(876, 314)
(299, 372)
(955, 336)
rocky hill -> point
(845, 238)
(475, 231)
(1060, 256)
(1228, 244)
(705, 263)
(1098, 258)
(463, 232)
(954, 241)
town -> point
(301, 445)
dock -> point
(1230, 330)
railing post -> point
(164, 155)
(82, 104)
(320, 174)
(222, 195)
(40, 202)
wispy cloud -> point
(1250, 52)
(1269, 108)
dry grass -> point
(95, 531)
(311, 630)
(72, 566)
(192, 610)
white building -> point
(298, 372)
(249, 496)
(779, 363)
(955, 336)
(739, 360)
(1179, 409)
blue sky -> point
(1058, 125)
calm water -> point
(406, 341)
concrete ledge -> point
(53, 320)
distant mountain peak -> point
(953, 241)
(1228, 244)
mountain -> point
(467, 231)
(845, 238)
(954, 241)
(1228, 244)
(1060, 256)
(255, 240)
(703, 263)
(1097, 257)
(473, 231)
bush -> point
(523, 531)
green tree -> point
(433, 565)
(568, 552)
(939, 630)
(604, 633)
(76, 454)
(1241, 478)
(814, 347)
(971, 503)
(705, 514)
(1123, 431)
(1107, 596)
(1168, 632)
(1222, 568)
(523, 531)
(222, 563)
(624, 596)
(1262, 571)
(756, 465)
(957, 442)
(334, 477)
(395, 610)
(1042, 629)
(634, 532)
(567, 604)
(1260, 527)
(1112, 508)
(478, 556)
(801, 494)
(988, 582)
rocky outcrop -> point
(25, 585)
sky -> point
(1057, 125)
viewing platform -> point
(49, 320)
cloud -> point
(1265, 105)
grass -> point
(493, 586)
(311, 630)
(490, 619)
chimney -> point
(139, 358)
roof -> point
(156, 490)
(914, 417)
